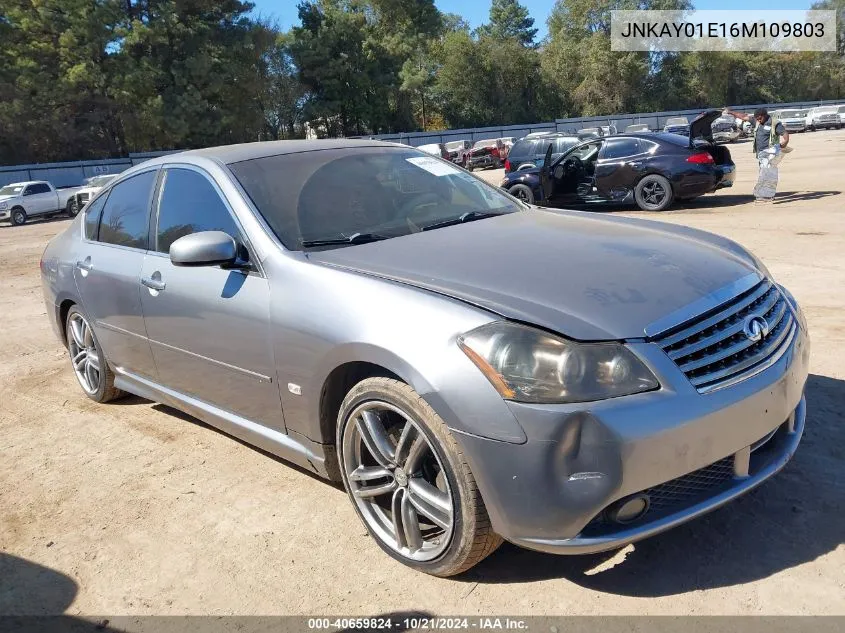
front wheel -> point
(72, 207)
(18, 216)
(409, 481)
(523, 192)
(653, 193)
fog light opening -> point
(629, 509)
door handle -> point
(153, 284)
(85, 266)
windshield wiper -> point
(469, 216)
(356, 238)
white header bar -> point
(776, 31)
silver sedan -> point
(471, 368)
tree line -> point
(84, 79)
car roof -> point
(27, 182)
(229, 154)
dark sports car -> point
(650, 170)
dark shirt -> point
(762, 133)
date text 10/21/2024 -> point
(418, 623)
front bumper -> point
(5, 214)
(551, 492)
(482, 161)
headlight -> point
(4, 205)
(528, 365)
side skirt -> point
(304, 452)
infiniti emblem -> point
(755, 328)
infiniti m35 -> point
(470, 367)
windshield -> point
(788, 114)
(677, 121)
(453, 145)
(11, 190)
(99, 181)
(364, 191)
(485, 143)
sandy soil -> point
(133, 508)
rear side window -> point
(189, 204)
(523, 148)
(619, 148)
(563, 144)
(92, 217)
(125, 220)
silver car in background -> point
(793, 120)
(471, 368)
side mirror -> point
(207, 248)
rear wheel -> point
(18, 216)
(409, 481)
(87, 359)
(653, 193)
(523, 192)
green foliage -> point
(96, 78)
(509, 19)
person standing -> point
(770, 138)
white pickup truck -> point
(20, 201)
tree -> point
(510, 19)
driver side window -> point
(188, 204)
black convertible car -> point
(650, 170)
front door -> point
(573, 172)
(108, 272)
(209, 327)
(40, 199)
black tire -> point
(472, 538)
(653, 193)
(523, 192)
(469, 166)
(72, 207)
(106, 391)
(18, 216)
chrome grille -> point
(713, 350)
(83, 197)
(688, 487)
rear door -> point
(209, 327)
(621, 163)
(108, 271)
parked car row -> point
(472, 369)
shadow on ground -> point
(792, 519)
(27, 588)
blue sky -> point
(476, 11)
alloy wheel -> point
(654, 193)
(84, 354)
(397, 481)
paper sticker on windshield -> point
(433, 166)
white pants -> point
(767, 180)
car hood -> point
(587, 277)
(3, 198)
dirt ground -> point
(133, 508)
